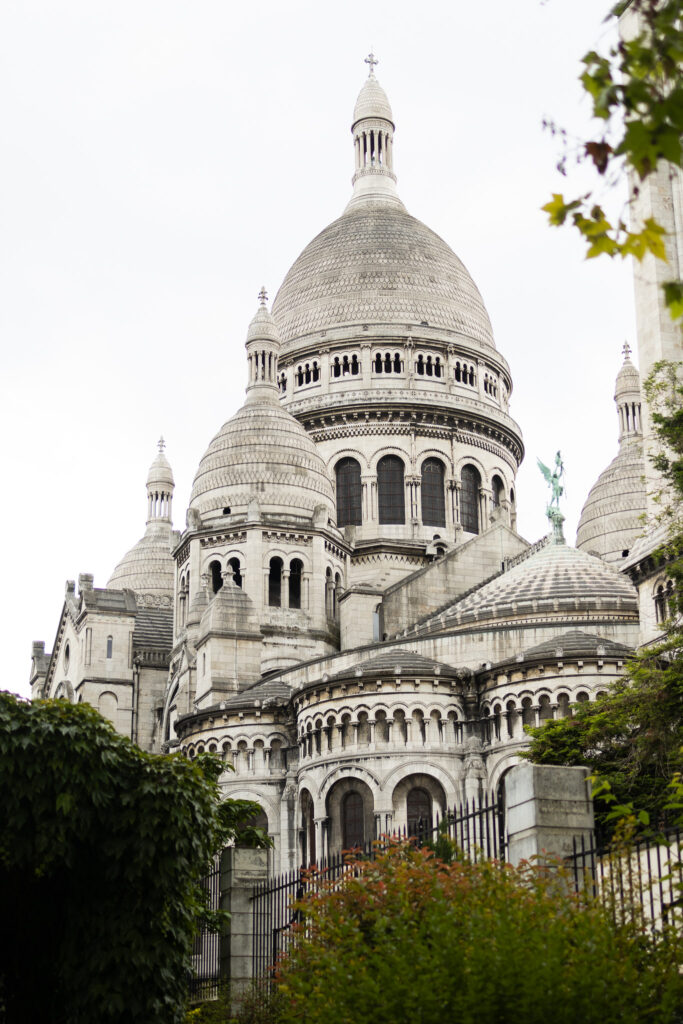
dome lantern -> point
(263, 346)
(627, 398)
(160, 486)
(373, 143)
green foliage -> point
(101, 850)
(407, 938)
(630, 738)
(636, 91)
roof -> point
(110, 600)
(574, 643)
(148, 568)
(393, 662)
(612, 517)
(265, 693)
(153, 629)
(372, 101)
(377, 264)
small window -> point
(419, 811)
(234, 566)
(216, 576)
(67, 656)
(349, 511)
(296, 568)
(110, 647)
(275, 583)
(497, 491)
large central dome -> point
(377, 264)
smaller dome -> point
(613, 514)
(628, 378)
(263, 326)
(160, 473)
(148, 568)
(372, 102)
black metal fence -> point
(640, 881)
(476, 827)
(206, 951)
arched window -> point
(458, 375)
(336, 594)
(275, 583)
(234, 565)
(432, 491)
(390, 490)
(348, 493)
(296, 568)
(419, 811)
(307, 830)
(216, 576)
(336, 367)
(670, 599)
(420, 365)
(397, 362)
(110, 646)
(355, 368)
(378, 363)
(497, 491)
(469, 499)
(353, 831)
(660, 604)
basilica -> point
(349, 618)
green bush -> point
(409, 938)
(101, 850)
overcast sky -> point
(160, 161)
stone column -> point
(241, 870)
(546, 808)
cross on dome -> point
(372, 61)
(626, 350)
(161, 444)
(263, 295)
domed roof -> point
(377, 264)
(372, 102)
(148, 567)
(262, 454)
(552, 581)
(160, 472)
(612, 516)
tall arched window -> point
(390, 490)
(497, 491)
(296, 568)
(275, 583)
(432, 491)
(419, 811)
(353, 831)
(216, 576)
(469, 499)
(349, 511)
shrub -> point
(409, 938)
(101, 850)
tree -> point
(102, 847)
(636, 90)
(405, 938)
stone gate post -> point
(241, 869)
(545, 808)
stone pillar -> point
(546, 807)
(240, 871)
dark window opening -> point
(110, 646)
(432, 492)
(234, 565)
(497, 491)
(216, 576)
(469, 499)
(296, 569)
(390, 490)
(419, 811)
(348, 493)
(353, 831)
(378, 363)
(354, 365)
(275, 583)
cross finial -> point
(161, 444)
(263, 296)
(626, 350)
(372, 61)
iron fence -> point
(204, 981)
(640, 881)
(476, 828)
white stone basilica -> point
(349, 618)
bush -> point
(101, 850)
(409, 938)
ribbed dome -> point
(377, 264)
(553, 581)
(148, 567)
(612, 516)
(262, 454)
(628, 380)
(160, 473)
(372, 102)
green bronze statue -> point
(554, 478)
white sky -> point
(160, 161)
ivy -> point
(102, 847)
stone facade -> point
(349, 618)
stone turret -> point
(373, 143)
(613, 515)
